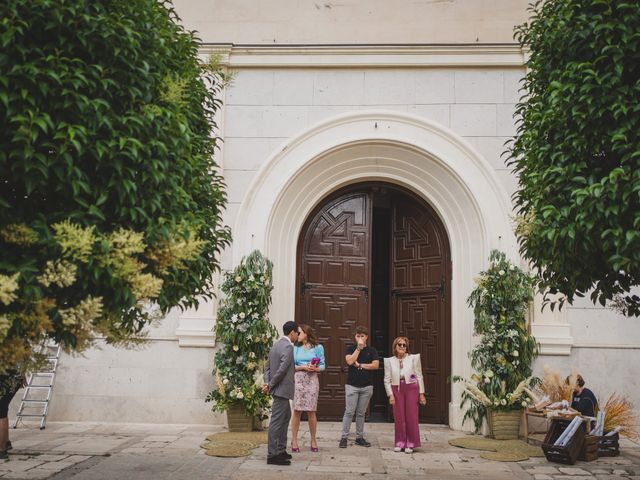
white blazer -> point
(412, 366)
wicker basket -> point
(238, 419)
(505, 425)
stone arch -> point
(418, 154)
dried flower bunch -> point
(619, 414)
(555, 386)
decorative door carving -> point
(333, 297)
(420, 297)
(335, 277)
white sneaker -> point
(408, 450)
(397, 449)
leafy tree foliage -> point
(109, 196)
(577, 149)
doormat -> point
(233, 444)
(502, 450)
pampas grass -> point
(476, 393)
(619, 413)
(555, 387)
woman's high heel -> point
(295, 449)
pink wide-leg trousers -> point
(405, 414)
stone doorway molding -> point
(418, 154)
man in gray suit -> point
(279, 381)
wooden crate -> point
(589, 450)
(609, 446)
(569, 453)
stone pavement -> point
(91, 451)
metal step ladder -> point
(37, 393)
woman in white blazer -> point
(404, 384)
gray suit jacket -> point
(279, 371)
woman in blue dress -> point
(308, 356)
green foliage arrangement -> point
(577, 150)
(109, 196)
(246, 336)
(506, 351)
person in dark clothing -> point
(363, 361)
(10, 383)
(583, 399)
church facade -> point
(362, 154)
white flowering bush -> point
(246, 335)
(506, 351)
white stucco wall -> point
(353, 21)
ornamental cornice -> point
(367, 56)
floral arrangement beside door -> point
(245, 335)
(506, 350)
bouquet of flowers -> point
(246, 335)
(503, 357)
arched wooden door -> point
(421, 297)
(336, 272)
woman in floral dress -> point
(308, 356)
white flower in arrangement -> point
(250, 338)
(496, 403)
(255, 315)
(524, 404)
(516, 353)
(503, 401)
(238, 279)
(266, 280)
(489, 373)
(487, 380)
(252, 355)
(234, 318)
(512, 268)
(262, 279)
(251, 365)
(252, 278)
(240, 395)
(225, 381)
(232, 393)
(242, 315)
(501, 272)
(236, 348)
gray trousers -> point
(357, 401)
(278, 426)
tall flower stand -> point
(504, 424)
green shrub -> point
(577, 149)
(109, 196)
